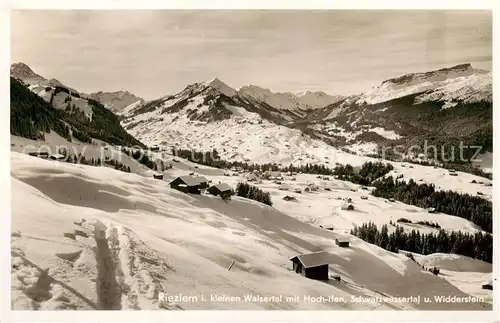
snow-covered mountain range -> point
(403, 109)
(452, 104)
(288, 101)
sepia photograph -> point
(211, 159)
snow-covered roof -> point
(202, 179)
(190, 180)
(313, 259)
(342, 239)
(223, 187)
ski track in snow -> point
(122, 273)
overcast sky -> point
(154, 53)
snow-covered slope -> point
(460, 82)
(95, 238)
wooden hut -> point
(312, 265)
(187, 184)
(222, 189)
(39, 154)
(158, 176)
(342, 242)
(57, 157)
(488, 285)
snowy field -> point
(86, 228)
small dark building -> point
(39, 154)
(187, 184)
(312, 265)
(488, 285)
(223, 190)
(342, 242)
(158, 176)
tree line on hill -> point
(366, 174)
(81, 159)
(426, 223)
(142, 157)
(254, 193)
(478, 245)
(31, 116)
(473, 208)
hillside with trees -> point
(254, 193)
(475, 209)
(478, 245)
(31, 116)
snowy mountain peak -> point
(222, 87)
(453, 83)
(435, 75)
(289, 101)
(22, 71)
(117, 101)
